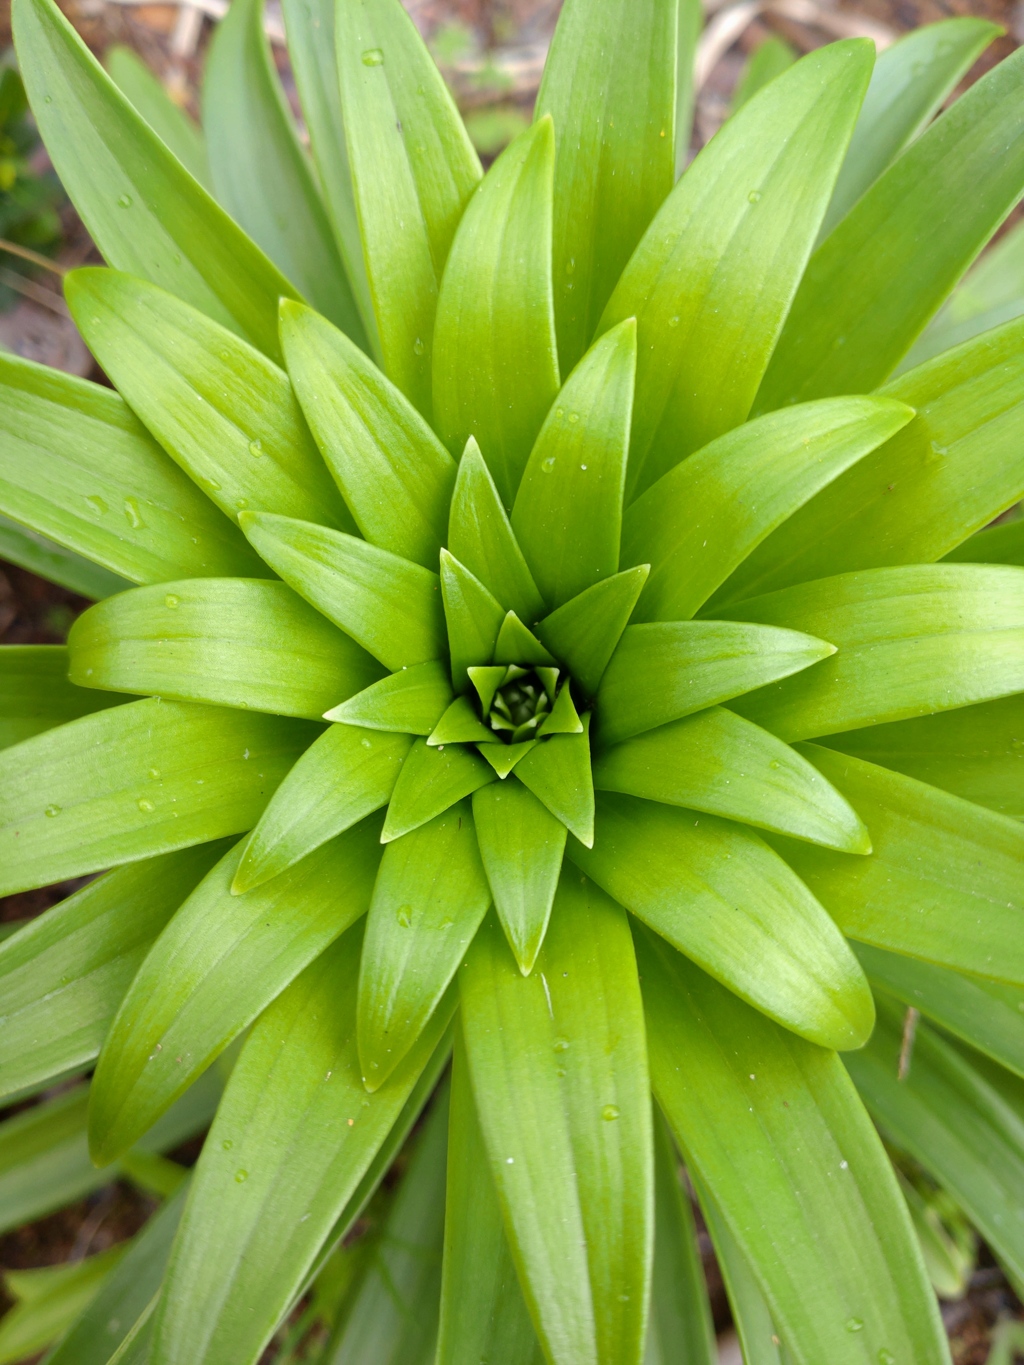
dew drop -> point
(125, 201)
(570, 265)
(559, 412)
(446, 924)
(548, 465)
(171, 601)
(241, 1177)
(96, 504)
(241, 503)
(225, 355)
(610, 1112)
(256, 449)
(561, 1044)
(754, 196)
(854, 1325)
(134, 516)
(418, 346)
(227, 1144)
(574, 417)
(212, 484)
(775, 765)
(51, 811)
(373, 57)
(366, 744)
(939, 450)
(47, 99)
(673, 322)
(154, 774)
(145, 806)
(405, 916)
(886, 1357)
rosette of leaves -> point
(673, 689)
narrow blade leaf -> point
(431, 780)
(558, 773)
(35, 694)
(409, 702)
(584, 631)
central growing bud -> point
(522, 702)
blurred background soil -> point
(492, 53)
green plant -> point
(584, 511)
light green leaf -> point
(152, 100)
(769, 59)
(517, 645)
(460, 724)
(48, 1301)
(483, 1316)
(344, 776)
(391, 606)
(985, 1014)
(495, 305)
(704, 517)
(135, 781)
(504, 757)
(949, 1263)
(480, 536)
(521, 844)
(609, 85)
(409, 702)
(259, 169)
(431, 780)
(680, 1330)
(859, 308)
(664, 670)
(394, 473)
(961, 1117)
(309, 25)
(568, 510)
(911, 81)
(558, 773)
(584, 631)
(69, 450)
(142, 208)
(773, 1127)
(997, 545)
(943, 882)
(563, 719)
(35, 694)
(474, 619)
(413, 171)
(558, 1068)
(31, 551)
(947, 474)
(691, 22)
(721, 896)
(240, 642)
(429, 898)
(976, 752)
(718, 762)
(63, 976)
(279, 1166)
(215, 968)
(911, 640)
(740, 224)
(220, 409)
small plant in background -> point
(674, 693)
(29, 197)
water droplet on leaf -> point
(610, 1112)
(125, 201)
(227, 1144)
(405, 916)
(145, 806)
(241, 1177)
(51, 811)
(256, 449)
(418, 346)
(96, 504)
(754, 196)
(171, 601)
(854, 1325)
(373, 57)
(134, 516)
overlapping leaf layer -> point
(480, 622)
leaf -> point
(985, 1014)
(521, 844)
(495, 304)
(142, 208)
(691, 22)
(413, 171)
(997, 545)
(175, 128)
(213, 970)
(347, 774)
(135, 781)
(773, 1127)
(961, 1118)
(769, 59)
(584, 631)
(557, 771)
(44, 1155)
(721, 896)
(260, 171)
(740, 223)
(718, 762)
(394, 473)
(568, 510)
(664, 670)
(69, 450)
(431, 780)
(125, 1296)
(976, 752)
(517, 645)
(558, 1068)
(63, 975)
(942, 883)
(950, 1267)
(948, 473)
(702, 519)
(428, 900)
(220, 409)
(859, 307)
(239, 642)
(483, 1316)
(31, 551)
(910, 640)
(460, 724)
(409, 702)
(387, 604)
(35, 694)
(504, 757)
(279, 1166)
(911, 81)
(480, 536)
(680, 1330)
(49, 1301)
(474, 618)
(609, 85)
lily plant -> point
(547, 623)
